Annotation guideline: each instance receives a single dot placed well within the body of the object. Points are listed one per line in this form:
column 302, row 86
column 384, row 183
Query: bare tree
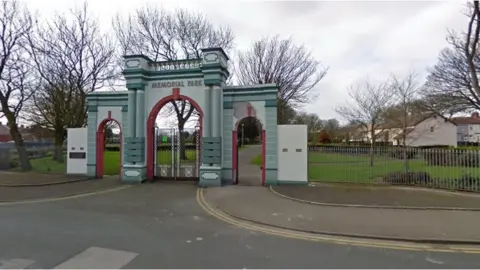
column 367, row 109
column 331, row 126
column 313, row 122
column 404, row 113
column 73, row 58
column 15, row 80
column 168, row 36
column 404, row 93
column 453, row 85
column 280, row 61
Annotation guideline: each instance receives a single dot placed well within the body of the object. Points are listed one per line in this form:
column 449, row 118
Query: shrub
column 402, row 153
column 324, row 137
column 408, row 178
column 438, row 146
column 14, row 164
column 469, row 183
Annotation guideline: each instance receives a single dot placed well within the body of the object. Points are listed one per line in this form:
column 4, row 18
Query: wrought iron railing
column 452, row 169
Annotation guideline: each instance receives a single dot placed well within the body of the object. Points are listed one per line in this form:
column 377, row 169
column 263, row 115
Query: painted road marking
column 330, row 239
column 16, row 264
column 98, row 258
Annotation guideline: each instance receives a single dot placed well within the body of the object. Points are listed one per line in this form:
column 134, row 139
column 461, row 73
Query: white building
column 468, row 128
column 421, row 130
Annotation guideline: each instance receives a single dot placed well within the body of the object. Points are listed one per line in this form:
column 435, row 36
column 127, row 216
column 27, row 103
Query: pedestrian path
column 15, row 194
column 249, row 174
column 259, row 205
column 90, row 258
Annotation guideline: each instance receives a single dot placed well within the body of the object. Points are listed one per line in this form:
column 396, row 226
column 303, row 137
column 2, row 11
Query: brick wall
column 5, row 138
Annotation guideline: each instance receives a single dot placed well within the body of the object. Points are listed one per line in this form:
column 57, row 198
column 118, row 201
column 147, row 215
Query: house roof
column 411, row 120
column 466, row 120
column 349, row 129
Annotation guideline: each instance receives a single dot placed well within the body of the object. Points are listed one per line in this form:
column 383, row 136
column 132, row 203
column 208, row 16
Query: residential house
column 420, row 130
column 468, row 128
column 34, row 133
column 353, row 134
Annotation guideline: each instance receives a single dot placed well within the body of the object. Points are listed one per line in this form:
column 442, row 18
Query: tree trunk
column 20, row 145
column 371, row 155
column 183, row 152
column 58, row 152
column 405, row 159
column 372, row 134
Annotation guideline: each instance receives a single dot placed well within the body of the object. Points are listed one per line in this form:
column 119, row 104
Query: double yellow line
column 329, row 239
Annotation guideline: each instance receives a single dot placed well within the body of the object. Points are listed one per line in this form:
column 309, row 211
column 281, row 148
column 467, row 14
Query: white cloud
column 355, row 39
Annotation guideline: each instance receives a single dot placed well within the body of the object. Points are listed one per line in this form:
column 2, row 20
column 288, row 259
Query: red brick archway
column 235, row 149
column 101, row 148
column 175, row 96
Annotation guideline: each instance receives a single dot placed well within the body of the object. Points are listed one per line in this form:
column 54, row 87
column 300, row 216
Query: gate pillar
column 134, row 167
column 214, row 68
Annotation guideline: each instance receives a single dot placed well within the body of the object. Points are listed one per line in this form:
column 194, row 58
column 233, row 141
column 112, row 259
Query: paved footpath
column 249, row 174
column 9, row 178
column 23, row 193
column 161, row 225
column 261, row 205
column 390, row 196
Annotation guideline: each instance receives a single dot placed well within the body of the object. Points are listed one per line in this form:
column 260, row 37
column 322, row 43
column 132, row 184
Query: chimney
column 475, row 115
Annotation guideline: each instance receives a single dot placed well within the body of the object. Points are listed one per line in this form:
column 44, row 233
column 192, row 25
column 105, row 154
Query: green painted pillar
column 207, row 117
column 214, row 116
column 131, row 113
column 140, row 110
column 216, row 113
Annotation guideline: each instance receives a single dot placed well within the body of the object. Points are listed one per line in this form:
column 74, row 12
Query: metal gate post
column 172, row 136
column 179, row 134
column 197, row 151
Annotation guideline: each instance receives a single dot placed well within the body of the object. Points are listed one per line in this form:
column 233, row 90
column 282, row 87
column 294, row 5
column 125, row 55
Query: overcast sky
column 354, row 39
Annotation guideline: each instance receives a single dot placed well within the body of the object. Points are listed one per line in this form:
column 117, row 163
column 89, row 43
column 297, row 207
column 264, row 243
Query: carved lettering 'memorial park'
column 212, row 145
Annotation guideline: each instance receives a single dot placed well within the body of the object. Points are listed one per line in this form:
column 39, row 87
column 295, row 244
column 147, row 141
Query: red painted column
column 264, row 150
column 149, row 144
column 99, row 154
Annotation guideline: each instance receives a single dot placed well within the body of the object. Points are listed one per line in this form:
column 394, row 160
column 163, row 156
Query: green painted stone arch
column 202, row 80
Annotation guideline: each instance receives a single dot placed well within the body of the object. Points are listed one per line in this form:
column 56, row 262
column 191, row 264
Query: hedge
column 423, row 179
column 393, row 151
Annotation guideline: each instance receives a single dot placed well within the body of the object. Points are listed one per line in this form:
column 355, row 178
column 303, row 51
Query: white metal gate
column 177, row 155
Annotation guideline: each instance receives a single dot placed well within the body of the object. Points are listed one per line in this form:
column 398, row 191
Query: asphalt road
column 162, row 226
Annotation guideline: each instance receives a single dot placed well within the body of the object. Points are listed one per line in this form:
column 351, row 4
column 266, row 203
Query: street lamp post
column 243, row 136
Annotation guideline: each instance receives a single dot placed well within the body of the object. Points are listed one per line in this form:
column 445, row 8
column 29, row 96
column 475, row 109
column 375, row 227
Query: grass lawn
column 111, row 162
column 350, row 168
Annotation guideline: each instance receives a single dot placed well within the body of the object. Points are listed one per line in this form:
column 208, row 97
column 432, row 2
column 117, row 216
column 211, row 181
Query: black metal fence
column 449, row 168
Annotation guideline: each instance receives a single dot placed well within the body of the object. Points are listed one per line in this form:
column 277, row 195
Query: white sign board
column 77, row 151
column 292, row 153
